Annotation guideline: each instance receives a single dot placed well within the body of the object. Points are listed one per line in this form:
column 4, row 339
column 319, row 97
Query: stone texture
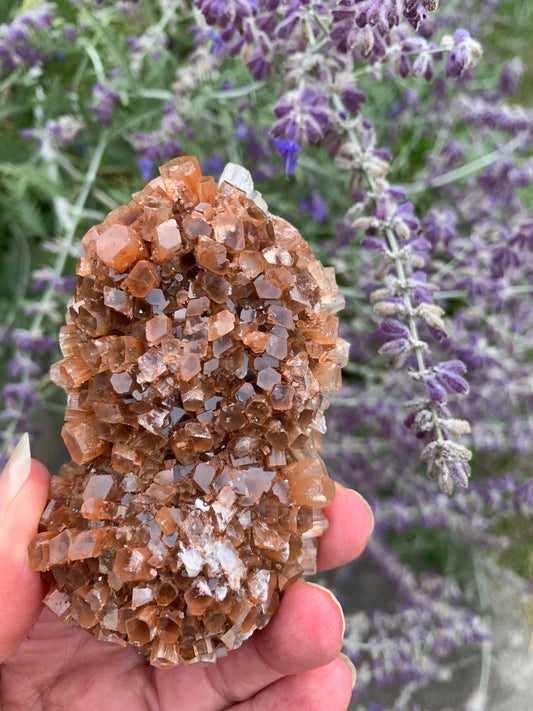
column 199, row 350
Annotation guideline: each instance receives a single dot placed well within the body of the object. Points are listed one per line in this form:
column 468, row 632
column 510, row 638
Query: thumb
column 23, row 493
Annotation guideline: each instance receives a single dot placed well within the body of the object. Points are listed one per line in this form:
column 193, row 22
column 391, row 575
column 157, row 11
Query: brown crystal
column 142, row 279
column 198, row 353
column 82, row 442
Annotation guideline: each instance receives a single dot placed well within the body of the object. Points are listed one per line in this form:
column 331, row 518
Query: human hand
column 293, row 663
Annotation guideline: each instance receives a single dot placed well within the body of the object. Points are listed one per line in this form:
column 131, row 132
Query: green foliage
column 435, row 550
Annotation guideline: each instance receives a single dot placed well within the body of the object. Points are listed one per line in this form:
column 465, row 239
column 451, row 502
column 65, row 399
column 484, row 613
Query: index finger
column 350, row 524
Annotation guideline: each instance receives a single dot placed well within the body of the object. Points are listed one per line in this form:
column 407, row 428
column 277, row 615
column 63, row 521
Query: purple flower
column 353, row 99
column 447, row 374
column 288, row 150
column 464, row 55
column 241, row 131
column 395, row 348
column 70, row 33
column 436, row 392
column 18, row 47
column 317, row 207
column 29, row 342
column 213, row 166
column 102, row 103
column 439, row 226
column 46, row 277
column 259, row 63
column 522, row 239
column 28, row 134
column 303, row 114
column 372, row 244
column 503, row 259
column 146, row 166
column 225, row 12
column 157, row 146
column 423, row 66
column 23, row 394
column 22, row 366
column 57, row 133
column 511, row 76
column 392, row 327
column 365, row 24
column 217, row 41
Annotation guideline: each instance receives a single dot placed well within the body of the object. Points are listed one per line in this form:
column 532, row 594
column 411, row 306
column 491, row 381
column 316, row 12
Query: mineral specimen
column 199, row 350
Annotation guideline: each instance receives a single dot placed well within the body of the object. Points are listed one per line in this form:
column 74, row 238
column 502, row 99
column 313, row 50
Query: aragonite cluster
column 199, row 350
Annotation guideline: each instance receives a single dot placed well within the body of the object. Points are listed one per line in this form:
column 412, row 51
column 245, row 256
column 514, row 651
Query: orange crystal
column 119, row 247
column 157, row 328
column 199, row 350
column 166, row 241
column 142, row 279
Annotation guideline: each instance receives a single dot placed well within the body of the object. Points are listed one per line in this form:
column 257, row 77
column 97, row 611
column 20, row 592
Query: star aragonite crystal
column 199, row 351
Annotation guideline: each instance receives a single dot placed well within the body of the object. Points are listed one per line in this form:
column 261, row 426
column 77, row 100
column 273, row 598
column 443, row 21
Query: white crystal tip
column 242, row 179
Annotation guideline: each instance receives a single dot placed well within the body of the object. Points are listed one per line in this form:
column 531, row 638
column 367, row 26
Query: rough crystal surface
column 199, row 350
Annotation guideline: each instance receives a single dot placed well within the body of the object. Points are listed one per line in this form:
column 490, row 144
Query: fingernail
column 332, row 596
column 368, row 508
column 16, row 471
column 350, row 666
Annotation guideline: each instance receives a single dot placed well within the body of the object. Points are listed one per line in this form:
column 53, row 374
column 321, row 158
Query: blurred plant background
column 404, row 157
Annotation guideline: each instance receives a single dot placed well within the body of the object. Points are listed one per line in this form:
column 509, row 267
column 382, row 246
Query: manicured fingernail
column 332, row 596
column 16, row 471
column 350, row 666
column 368, row 507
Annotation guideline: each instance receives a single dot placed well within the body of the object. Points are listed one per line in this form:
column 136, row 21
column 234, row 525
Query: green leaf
column 27, row 5
column 18, row 178
column 15, row 275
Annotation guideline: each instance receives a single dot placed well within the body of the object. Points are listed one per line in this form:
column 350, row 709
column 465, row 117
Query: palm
column 64, row 667
column 56, row 661
column 292, row 663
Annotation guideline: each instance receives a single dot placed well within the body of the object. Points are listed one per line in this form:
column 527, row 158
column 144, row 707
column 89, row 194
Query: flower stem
column 465, row 170
column 486, row 646
column 402, row 279
column 69, row 222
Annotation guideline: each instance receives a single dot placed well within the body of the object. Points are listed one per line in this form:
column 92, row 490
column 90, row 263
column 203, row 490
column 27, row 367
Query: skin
column 293, row 663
